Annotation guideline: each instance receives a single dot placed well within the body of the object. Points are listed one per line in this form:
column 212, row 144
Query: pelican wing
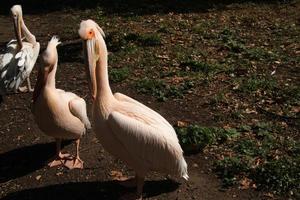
column 148, row 140
column 122, row 97
column 77, row 107
column 5, row 60
column 17, row 66
column 10, row 51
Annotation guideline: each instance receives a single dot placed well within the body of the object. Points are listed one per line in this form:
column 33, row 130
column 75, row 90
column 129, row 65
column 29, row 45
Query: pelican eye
column 90, row 34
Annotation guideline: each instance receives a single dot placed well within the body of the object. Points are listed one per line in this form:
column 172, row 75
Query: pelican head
column 49, row 56
column 94, row 49
column 16, row 13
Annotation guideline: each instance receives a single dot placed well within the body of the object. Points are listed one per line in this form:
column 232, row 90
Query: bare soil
column 25, row 150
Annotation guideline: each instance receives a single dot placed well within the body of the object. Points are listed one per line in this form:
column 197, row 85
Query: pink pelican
column 58, row 113
column 21, row 54
column 126, row 128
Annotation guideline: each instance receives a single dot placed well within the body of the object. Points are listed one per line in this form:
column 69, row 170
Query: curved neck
column 51, row 77
column 28, row 35
column 102, row 81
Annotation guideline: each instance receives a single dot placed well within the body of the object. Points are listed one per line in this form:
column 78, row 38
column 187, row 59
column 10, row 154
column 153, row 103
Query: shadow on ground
column 121, row 7
column 22, row 161
column 107, row 190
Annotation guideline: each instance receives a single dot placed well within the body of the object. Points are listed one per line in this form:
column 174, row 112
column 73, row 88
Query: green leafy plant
column 231, row 42
column 145, row 39
column 118, row 74
column 203, row 67
column 281, row 175
column 255, row 83
column 194, row 138
column 229, row 168
column 161, row 90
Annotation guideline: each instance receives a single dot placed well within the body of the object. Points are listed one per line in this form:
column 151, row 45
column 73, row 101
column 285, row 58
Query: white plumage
column 126, row 128
column 58, row 113
column 19, row 58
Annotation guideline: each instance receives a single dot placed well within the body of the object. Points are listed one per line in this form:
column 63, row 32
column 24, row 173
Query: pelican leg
column 27, row 88
column 59, row 157
column 30, row 89
column 137, row 182
column 76, row 162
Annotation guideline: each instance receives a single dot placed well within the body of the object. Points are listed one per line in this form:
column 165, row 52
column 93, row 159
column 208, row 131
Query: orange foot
column 74, row 163
column 59, row 160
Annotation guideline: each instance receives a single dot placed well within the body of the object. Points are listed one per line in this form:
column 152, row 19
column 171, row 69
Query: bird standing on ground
column 21, row 54
column 58, row 113
column 126, row 128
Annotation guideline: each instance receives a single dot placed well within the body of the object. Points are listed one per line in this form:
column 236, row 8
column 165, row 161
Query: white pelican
column 59, row 114
column 17, row 63
column 126, row 128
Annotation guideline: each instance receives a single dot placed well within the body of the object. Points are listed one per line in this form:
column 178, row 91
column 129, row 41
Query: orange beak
column 88, row 47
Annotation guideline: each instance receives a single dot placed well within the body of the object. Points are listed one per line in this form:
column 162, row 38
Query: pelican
column 59, row 114
column 126, row 128
column 21, row 54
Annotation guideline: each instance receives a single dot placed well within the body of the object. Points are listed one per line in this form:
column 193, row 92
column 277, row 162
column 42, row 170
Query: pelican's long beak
column 18, row 33
column 90, row 62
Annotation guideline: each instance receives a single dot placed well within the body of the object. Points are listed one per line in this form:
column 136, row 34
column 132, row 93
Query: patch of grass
column 203, row 67
column 203, row 29
column 152, row 39
column 194, row 138
column 259, row 54
column 246, row 146
column 161, row 90
column 229, row 168
column 270, row 162
column 262, row 130
column 282, row 176
column 118, row 74
column 218, row 99
column 235, row 46
column 115, row 42
column 199, row 28
column 231, row 42
column 289, row 95
column 164, row 29
column 255, row 83
column 237, row 114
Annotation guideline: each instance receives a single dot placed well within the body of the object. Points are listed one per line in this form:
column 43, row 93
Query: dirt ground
column 25, row 150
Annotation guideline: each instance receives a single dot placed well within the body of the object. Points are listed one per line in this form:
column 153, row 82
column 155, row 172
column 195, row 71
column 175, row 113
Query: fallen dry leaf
column 250, row 111
column 117, row 175
column 59, row 173
column 182, row 124
column 270, row 195
column 245, row 183
column 38, row 177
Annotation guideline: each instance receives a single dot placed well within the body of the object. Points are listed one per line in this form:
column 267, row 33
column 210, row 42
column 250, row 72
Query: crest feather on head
column 54, row 41
column 50, row 54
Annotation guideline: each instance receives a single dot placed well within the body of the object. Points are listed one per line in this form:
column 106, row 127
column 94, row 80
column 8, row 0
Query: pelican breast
column 53, row 116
